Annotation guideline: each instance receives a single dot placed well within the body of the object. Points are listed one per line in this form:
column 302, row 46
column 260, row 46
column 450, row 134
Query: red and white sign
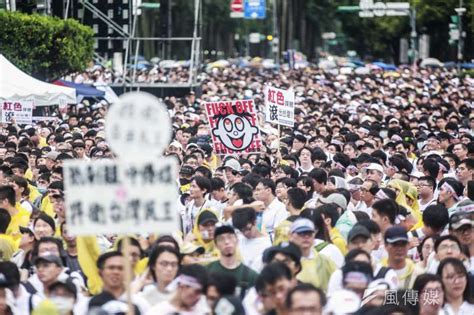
column 279, row 106
column 234, row 126
column 21, row 111
column 237, row 8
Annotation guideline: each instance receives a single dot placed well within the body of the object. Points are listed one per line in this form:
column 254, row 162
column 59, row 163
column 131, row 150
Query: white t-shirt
column 465, row 309
column 251, row 251
column 335, row 282
column 166, row 308
column 274, row 215
column 332, row 252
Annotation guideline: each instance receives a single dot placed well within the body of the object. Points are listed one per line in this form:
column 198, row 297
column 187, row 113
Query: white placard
column 138, row 124
column 279, row 106
column 121, row 197
column 21, row 111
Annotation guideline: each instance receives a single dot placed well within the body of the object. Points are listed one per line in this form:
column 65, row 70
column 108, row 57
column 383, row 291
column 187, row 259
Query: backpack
column 32, row 291
column 321, row 246
column 382, row 273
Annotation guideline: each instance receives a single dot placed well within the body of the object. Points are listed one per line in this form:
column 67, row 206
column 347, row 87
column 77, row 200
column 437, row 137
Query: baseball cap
column 233, row 164
column 302, row 225
column 190, row 248
column 459, row 219
column 337, row 199
column 206, row 216
column 343, row 302
column 186, row 170
column 52, row 155
column 374, row 166
column 356, row 231
column 286, row 248
column 49, row 257
column 395, row 234
column 223, row 229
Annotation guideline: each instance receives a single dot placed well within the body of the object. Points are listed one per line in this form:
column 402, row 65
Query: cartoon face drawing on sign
column 235, row 131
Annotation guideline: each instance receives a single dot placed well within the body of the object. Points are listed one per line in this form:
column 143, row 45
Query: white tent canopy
column 15, row 85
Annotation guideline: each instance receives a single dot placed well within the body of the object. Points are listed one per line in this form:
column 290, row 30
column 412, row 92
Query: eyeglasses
column 453, row 247
column 453, row 277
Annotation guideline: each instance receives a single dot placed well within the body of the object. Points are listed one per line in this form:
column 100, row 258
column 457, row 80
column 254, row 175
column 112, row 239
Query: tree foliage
column 45, row 47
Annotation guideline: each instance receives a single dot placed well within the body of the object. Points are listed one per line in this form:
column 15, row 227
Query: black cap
column 4, row 281
column 223, row 229
column 186, row 170
column 396, row 234
column 459, row 219
column 286, row 248
column 206, row 216
column 49, row 257
column 356, row 231
column 68, row 285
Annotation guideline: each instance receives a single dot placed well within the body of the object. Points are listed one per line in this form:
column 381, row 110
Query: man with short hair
column 273, row 284
column 253, row 242
column 275, row 210
column 316, row 268
column 446, row 246
column 450, row 193
column 465, row 171
column 320, row 179
column 191, row 284
column 111, row 267
column 426, row 187
column 367, row 196
column 435, row 218
column 305, row 299
column 460, row 150
column 19, row 216
column 384, row 213
column 229, row 263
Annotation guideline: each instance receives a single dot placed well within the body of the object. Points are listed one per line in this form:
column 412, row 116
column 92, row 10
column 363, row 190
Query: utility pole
column 413, row 35
column 276, row 36
column 460, row 11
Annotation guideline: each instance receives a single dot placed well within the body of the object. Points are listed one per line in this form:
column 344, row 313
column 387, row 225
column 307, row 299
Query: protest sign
column 138, row 123
column 21, row 111
column 279, row 106
column 234, row 126
column 121, row 196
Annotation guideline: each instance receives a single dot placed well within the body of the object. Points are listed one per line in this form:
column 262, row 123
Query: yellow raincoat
column 211, row 253
column 402, row 187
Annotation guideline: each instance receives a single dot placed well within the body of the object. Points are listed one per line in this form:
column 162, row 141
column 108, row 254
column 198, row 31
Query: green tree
column 45, row 47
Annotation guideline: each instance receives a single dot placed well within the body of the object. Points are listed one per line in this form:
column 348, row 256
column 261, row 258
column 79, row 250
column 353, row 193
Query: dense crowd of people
column 364, row 207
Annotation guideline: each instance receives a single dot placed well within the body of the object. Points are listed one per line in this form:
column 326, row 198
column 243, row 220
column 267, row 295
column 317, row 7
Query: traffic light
column 454, row 29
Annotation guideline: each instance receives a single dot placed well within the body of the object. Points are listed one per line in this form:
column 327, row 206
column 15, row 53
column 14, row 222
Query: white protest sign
column 110, row 196
column 21, row 111
column 138, row 123
column 279, row 106
column 138, row 192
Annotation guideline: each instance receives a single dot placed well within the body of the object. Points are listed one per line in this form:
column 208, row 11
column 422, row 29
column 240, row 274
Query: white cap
column 343, row 302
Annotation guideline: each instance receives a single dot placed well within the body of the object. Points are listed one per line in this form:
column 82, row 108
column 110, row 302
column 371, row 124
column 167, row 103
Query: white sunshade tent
column 15, row 85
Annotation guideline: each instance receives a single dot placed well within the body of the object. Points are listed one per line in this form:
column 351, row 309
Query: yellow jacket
column 317, row 269
column 406, row 280
column 47, row 207
column 21, row 218
column 338, row 240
